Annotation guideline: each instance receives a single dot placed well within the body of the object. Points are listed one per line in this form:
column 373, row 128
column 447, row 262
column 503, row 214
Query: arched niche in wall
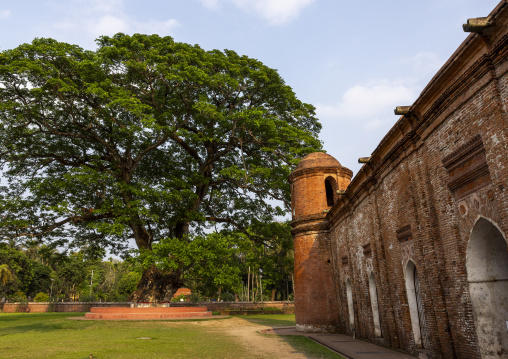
column 331, row 190
column 351, row 310
column 374, row 304
column 487, row 274
column 415, row 303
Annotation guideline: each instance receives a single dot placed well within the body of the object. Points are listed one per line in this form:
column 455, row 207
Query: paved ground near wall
column 345, row 345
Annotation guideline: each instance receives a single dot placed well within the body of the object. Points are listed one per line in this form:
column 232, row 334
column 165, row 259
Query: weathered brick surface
column 432, row 177
column 315, row 299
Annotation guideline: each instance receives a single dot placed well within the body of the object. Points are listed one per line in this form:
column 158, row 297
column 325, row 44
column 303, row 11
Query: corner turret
column 315, row 186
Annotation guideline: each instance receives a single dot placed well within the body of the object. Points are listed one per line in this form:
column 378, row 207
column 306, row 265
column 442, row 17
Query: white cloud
column 4, row 14
column 424, row 64
column 154, row 26
column 372, row 104
column 103, row 6
column 210, row 4
column 276, row 12
column 93, row 18
column 108, row 25
column 377, row 124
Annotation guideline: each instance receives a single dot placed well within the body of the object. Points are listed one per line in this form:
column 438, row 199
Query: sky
column 353, row 60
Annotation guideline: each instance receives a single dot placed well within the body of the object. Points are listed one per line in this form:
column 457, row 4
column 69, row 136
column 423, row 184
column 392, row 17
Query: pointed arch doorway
column 415, row 302
column 487, row 274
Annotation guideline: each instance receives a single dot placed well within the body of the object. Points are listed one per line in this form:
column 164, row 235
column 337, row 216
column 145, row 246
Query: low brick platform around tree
column 149, row 313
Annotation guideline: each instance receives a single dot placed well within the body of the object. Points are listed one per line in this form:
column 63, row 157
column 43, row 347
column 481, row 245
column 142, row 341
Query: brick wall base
column 41, row 307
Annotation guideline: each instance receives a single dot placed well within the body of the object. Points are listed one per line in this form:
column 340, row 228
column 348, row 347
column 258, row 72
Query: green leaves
column 223, row 261
column 20, row 273
column 212, row 259
column 146, row 138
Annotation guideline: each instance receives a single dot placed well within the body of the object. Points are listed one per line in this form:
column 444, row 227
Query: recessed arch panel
column 351, row 310
column 415, row 303
column 375, row 305
column 487, row 274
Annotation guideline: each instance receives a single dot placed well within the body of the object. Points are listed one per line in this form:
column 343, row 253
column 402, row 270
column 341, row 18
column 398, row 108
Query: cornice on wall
column 468, row 69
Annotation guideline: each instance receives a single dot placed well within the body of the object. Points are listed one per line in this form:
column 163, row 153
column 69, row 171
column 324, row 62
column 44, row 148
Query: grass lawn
column 52, row 335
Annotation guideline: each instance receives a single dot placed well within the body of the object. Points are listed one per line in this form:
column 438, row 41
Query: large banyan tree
column 145, row 138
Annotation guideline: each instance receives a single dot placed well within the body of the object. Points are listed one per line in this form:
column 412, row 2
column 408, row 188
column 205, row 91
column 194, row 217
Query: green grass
column 52, row 335
column 271, row 320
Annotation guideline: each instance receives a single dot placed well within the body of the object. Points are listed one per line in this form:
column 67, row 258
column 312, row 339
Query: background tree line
column 221, row 265
column 36, row 272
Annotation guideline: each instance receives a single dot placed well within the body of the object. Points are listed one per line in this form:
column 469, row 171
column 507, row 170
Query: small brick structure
column 182, row 291
column 413, row 254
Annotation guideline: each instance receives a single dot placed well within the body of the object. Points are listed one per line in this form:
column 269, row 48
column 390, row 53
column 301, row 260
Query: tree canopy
column 144, row 138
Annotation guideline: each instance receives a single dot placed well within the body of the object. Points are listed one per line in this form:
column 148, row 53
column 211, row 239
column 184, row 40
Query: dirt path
column 261, row 345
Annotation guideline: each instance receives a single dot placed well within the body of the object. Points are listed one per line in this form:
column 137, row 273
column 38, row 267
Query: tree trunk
column 254, row 281
column 274, row 292
column 248, row 285
column 293, row 284
column 157, row 286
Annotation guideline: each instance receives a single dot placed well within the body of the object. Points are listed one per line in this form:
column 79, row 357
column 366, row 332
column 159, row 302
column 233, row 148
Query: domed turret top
column 318, row 159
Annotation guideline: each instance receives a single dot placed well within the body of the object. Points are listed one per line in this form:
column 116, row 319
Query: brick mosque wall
column 438, row 175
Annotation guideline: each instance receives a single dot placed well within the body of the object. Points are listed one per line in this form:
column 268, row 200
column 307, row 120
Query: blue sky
column 354, row 60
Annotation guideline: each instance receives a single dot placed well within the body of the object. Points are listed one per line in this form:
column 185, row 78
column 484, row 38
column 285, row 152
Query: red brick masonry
column 413, row 254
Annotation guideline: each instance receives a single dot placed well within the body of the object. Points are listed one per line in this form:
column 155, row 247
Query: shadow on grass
column 34, row 327
column 38, row 322
column 311, row 348
column 14, row 317
column 270, row 320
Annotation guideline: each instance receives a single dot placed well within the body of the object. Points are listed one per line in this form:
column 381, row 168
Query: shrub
column 88, row 298
column 196, row 297
column 179, row 298
column 18, row 297
column 128, row 283
column 41, row 297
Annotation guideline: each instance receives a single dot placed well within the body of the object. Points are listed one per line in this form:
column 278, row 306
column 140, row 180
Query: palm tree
column 32, row 250
column 13, row 244
column 5, row 274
